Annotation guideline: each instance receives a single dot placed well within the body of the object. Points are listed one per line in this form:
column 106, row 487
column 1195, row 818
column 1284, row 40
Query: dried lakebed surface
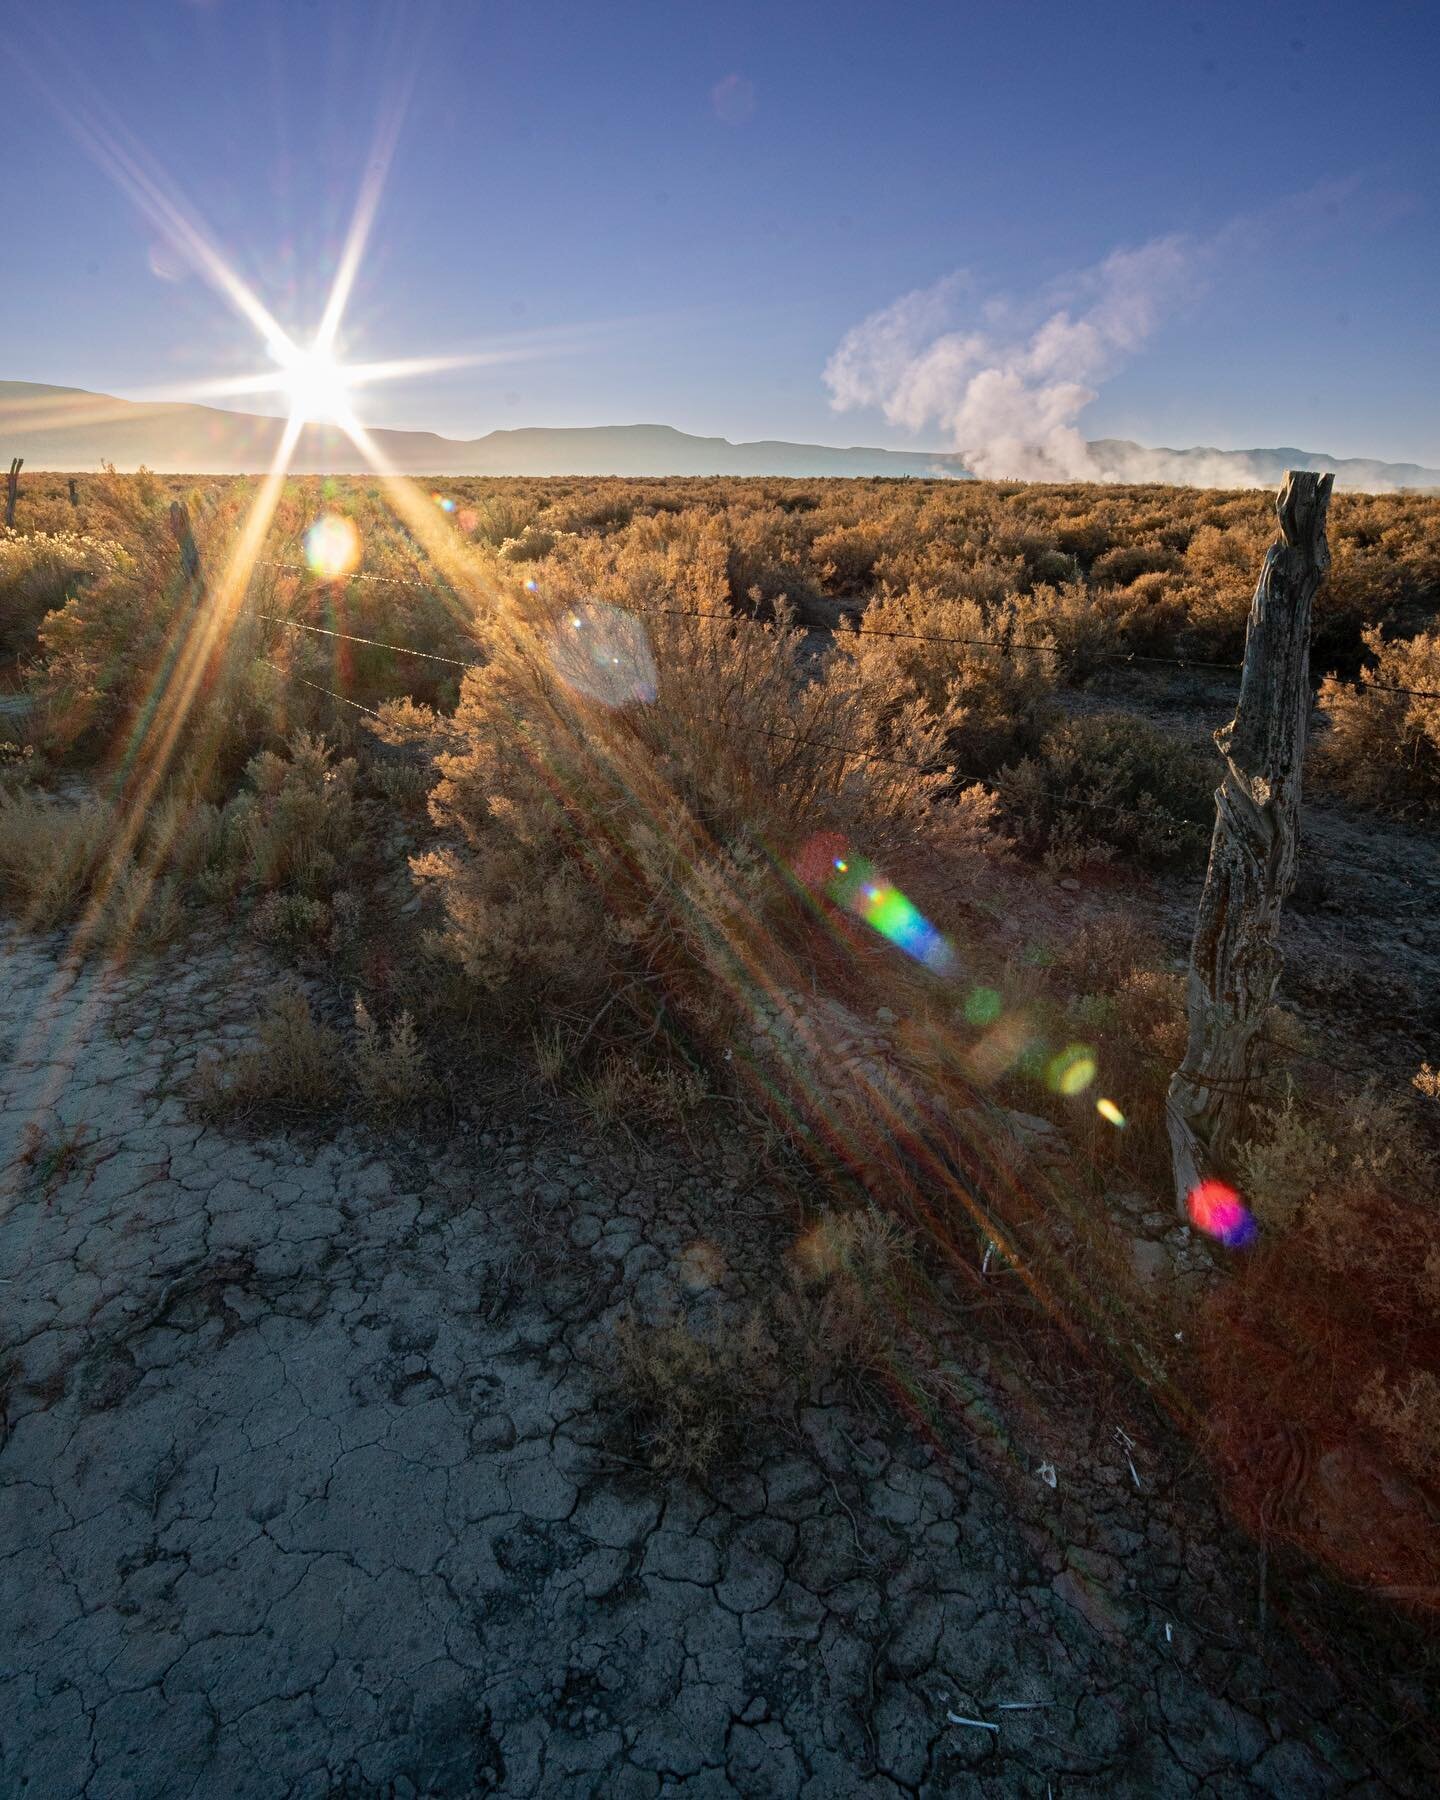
column 307, row 1487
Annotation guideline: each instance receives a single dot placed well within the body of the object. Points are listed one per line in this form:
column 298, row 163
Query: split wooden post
column 12, row 488
column 1235, row 960
column 185, row 538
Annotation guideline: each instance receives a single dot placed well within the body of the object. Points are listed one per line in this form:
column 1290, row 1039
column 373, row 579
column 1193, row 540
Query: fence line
column 1005, row 646
column 351, row 638
column 344, row 699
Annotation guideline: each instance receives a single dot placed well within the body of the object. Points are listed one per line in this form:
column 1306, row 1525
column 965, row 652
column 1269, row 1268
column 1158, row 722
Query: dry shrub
column 1384, row 748
column 1407, row 1417
column 991, row 703
column 301, row 1066
column 76, row 863
column 295, row 1068
column 1082, row 622
column 52, row 855
column 624, row 799
column 1324, row 1171
column 295, row 827
column 39, row 571
column 1217, row 583
column 1109, row 782
column 291, row 919
column 844, row 557
column 405, row 785
column 533, row 545
column 19, row 765
column 693, row 1396
column 390, row 1068
column 624, row 1089
column 843, row 1308
column 1115, row 994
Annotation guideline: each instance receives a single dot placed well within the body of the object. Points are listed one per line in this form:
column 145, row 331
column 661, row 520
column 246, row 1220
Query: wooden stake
column 12, row 488
column 185, row 538
column 1235, row 960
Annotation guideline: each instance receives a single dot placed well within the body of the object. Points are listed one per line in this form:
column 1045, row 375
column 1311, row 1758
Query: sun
column 316, row 384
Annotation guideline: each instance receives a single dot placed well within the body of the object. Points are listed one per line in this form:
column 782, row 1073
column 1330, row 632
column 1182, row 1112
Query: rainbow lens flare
column 1111, row 1113
column 332, row 546
column 446, row 506
column 1219, row 1211
column 1072, row 1071
column 855, row 885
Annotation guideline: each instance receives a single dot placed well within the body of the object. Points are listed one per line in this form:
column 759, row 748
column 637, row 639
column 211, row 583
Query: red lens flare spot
column 1220, row 1212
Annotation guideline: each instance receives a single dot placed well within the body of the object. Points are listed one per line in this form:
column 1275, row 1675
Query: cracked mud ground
column 307, row 1488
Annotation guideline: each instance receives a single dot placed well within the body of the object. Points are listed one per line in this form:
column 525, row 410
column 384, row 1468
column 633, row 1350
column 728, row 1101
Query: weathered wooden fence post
column 1234, row 960
column 12, row 488
column 74, row 492
column 185, row 538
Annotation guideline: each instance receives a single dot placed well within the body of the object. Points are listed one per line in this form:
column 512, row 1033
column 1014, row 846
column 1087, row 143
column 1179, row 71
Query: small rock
column 1070, row 885
column 885, row 1017
column 1149, row 1260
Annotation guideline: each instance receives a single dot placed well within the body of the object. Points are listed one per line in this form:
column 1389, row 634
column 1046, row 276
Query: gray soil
column 311, row 1485
column 1361, row 935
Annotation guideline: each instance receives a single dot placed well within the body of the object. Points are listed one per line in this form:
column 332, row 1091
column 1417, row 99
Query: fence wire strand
column 1006, row 646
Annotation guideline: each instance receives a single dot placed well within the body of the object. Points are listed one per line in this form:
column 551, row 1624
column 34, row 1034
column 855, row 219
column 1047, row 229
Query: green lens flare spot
column 982, row 1006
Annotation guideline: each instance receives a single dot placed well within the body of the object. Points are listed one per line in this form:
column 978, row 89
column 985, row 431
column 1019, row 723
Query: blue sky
column 680, row 213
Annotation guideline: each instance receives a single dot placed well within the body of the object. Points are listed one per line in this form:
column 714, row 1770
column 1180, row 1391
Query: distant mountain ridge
column 72, row 429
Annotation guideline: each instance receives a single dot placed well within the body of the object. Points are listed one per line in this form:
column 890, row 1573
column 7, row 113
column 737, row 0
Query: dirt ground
column 312, row 1486
column 1361, row 935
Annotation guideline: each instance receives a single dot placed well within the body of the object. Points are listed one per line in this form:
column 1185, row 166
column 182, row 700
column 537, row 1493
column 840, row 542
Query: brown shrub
column 624, row 797
column 1383, row 748
column 295, row 1068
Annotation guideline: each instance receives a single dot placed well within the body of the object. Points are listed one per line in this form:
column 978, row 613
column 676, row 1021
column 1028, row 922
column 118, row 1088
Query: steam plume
column 1010, row 391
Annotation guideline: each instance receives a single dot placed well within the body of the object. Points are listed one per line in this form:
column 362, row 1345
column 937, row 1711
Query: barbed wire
column 344, row 699
column 351, row 637
column 1006, row 646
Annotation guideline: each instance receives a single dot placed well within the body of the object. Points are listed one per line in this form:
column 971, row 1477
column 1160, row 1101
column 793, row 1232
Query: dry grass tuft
column 692, row 1396
column 296, row 1068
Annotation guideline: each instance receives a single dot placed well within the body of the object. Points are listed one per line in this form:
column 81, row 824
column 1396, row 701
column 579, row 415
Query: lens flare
column 332, row 546
column 602, row 652
column 1219, row 1211
column 1001, row 1048
column 446, row 506
column 983, row 1006
column 859, row 889
column 1111, row 1113
column 1072, row 1071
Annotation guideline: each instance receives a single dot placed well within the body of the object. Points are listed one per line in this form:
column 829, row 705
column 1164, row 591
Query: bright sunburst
column 316, row 385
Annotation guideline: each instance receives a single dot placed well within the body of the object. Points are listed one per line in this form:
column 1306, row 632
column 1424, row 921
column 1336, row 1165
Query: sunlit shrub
column 985, row 677
column 38, row 572
column 630, row 837
column 1383, row 748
